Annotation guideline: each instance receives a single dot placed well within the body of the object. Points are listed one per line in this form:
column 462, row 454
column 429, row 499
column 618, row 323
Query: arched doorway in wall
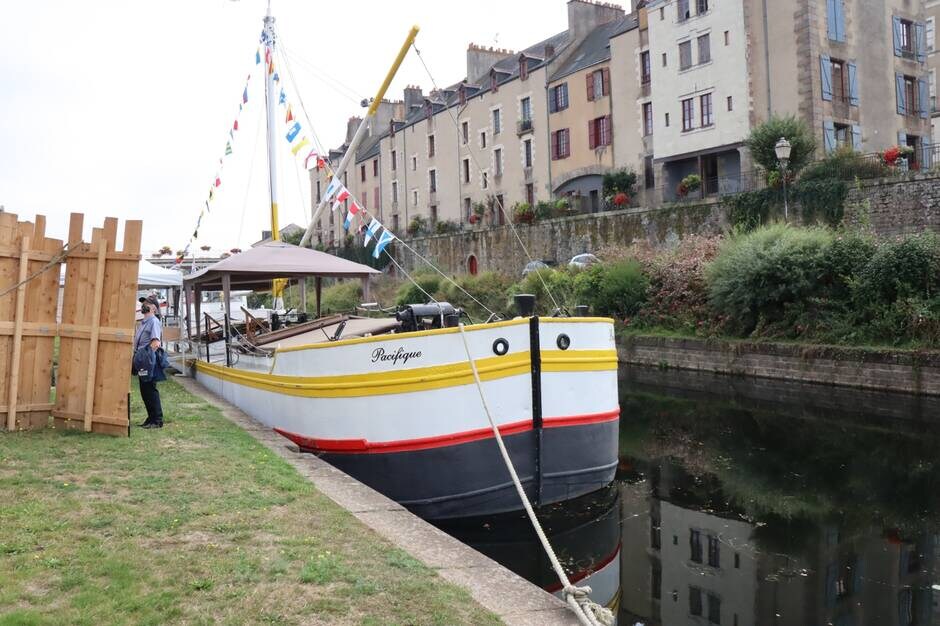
column 472, row 268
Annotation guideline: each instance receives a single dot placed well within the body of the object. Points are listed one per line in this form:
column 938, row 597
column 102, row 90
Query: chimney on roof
column 351, row 125
column 480, row 59
column 585, row 15
column 549, row 51
column 383, row 114
column 414, row 97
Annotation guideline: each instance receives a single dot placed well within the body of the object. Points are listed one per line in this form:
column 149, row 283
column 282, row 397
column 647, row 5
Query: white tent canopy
column 150, row 275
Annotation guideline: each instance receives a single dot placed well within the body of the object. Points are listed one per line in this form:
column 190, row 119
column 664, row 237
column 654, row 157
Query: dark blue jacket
column 149, row 364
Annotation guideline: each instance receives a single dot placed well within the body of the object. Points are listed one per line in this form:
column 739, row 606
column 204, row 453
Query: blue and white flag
column 384, row 239
column 293, row 131
column 371, row 229
column 333, row 187
column 283, row 98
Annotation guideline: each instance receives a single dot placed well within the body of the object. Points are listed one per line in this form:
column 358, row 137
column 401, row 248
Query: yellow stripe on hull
column 416, row 379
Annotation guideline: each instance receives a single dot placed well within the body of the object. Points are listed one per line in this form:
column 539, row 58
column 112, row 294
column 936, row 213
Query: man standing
column 149, row 330
column 153, row 302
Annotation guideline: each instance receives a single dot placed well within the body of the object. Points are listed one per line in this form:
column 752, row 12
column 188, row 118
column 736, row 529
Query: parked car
column 533, row 266
column 582, row 261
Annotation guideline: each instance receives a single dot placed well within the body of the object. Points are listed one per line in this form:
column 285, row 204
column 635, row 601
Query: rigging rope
column 476, row 163
column 577, row 598
column 251, row 169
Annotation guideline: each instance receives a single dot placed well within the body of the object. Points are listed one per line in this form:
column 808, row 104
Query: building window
column 318, row 192
column 714, row 609
column 730, row 103
column 498, row 162
column 737, row 561
column 695, row 546
column 667, row 120
column 843, row 135
column 414, row 164
column 684, row 13
column 645, row 68
column 558, row 98
column 430, row 146
column 905, row 36
column 466, row 209
column 523, row 68
column 701, row 6
column 500, row 211
column 727, row 38
column 530, row 194
column 695, row 601
column 656, row 539
column 466, row 170
column 482, row 138
column 704, row 49
column 433, row 214
column 432, row 179
column 599, row 132
column 484, row 180
column 662, row 13
column 838, row 80
column 647, row 119
column 414, row 197
column 598, row 84
column 394, row 160
column 497, row 122
column 705, row 106
column 462, row 94
column 649, row 177
column 688, row 114
column 375, row 198
column 464, row 132
column 561, row 141
column 395, row 222
column 714, row 552
column 685, row 55
column 362, row 173
column 527, row 153
column 525, row 106
column 375, row 167
column 394, row 192
column 664, row 59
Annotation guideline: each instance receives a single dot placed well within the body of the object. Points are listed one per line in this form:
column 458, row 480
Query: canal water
column 750, row 502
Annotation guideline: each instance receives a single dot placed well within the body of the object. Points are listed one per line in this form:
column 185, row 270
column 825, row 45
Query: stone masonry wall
column 908, row 372
column 887, row 207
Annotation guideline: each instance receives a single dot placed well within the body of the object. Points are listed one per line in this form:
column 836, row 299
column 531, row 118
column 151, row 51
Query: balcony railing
column 523, row 126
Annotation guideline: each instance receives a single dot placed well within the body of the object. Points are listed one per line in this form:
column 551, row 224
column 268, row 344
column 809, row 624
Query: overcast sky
column 123, row 108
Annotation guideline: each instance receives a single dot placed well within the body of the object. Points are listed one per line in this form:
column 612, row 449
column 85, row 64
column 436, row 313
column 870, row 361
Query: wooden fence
column 95, row 333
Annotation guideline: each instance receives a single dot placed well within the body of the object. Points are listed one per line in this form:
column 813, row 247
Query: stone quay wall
column 887, row 207
column 884, row 370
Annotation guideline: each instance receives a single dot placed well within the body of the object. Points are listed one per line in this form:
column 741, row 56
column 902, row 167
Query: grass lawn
column 196, row 523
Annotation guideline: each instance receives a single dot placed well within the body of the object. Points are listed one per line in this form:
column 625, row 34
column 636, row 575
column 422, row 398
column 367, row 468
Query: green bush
column 756, row 276
column 844, row 259
column 617, row 290
column 409, row 293
column 620, row 181
column 341, row 297
column 845, row 164
column 752, row 209
column 821, row 199
column 444, row 227
column 763, row 140
column 559, row 282
column 490, row 288
column 901, row 269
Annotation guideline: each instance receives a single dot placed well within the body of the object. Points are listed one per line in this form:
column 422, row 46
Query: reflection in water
column 752, row 503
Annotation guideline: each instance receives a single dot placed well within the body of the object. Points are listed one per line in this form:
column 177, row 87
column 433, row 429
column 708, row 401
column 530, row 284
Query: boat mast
column 269, row 98
column 361, row 131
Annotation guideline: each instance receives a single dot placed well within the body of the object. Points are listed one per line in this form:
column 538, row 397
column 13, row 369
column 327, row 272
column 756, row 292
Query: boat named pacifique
column 393, row 401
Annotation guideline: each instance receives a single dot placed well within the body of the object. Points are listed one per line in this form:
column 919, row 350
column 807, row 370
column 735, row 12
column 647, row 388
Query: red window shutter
column 555, row 154
column 592, row 135
column 590, row 87
column 605, row 80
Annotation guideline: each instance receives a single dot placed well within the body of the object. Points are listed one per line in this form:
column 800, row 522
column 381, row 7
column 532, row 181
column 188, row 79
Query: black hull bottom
column 470, row 479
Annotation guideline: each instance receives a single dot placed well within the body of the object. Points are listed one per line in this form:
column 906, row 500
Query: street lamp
column 783, row 156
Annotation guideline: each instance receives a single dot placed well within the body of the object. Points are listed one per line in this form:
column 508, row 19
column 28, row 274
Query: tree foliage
column 763, row 139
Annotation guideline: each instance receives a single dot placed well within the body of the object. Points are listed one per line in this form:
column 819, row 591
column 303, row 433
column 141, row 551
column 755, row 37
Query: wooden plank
column 76, row 222
column 133, row 232
column 30, row 329
column 105, row 333
column 18, row 334
column 96, row 316
column 109, row 232
column 82, row 253
column 12, row 252
column 35, row 406
column 8, row 278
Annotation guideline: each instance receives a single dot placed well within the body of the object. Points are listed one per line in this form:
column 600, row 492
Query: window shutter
column 831, row 19
column 926, row 156
column 920, row 41
column 899, row 88
column 552, row 100
column 840, row 19
column 825, row 72
column 610, row 130
column 555, row 145
column 857, row 138
column 829, row 136
column 592, row 135
column 605, row 81
column 902, row 138
column 853, row 84
column 896, row 21
column 923, row 98
column 590, row 87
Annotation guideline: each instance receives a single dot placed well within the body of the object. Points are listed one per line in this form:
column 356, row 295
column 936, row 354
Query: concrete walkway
column 515, row 600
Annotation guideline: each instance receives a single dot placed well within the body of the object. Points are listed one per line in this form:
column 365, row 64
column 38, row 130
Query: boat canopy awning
column 150, row 275
column 256, row 267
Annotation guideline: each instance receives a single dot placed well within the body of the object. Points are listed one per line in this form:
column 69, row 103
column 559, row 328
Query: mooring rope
column 587, row 611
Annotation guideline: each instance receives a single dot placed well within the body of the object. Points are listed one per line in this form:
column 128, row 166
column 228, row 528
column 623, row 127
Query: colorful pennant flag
column 300, row 144
column 384, row 239
column 245, row 96
column 257, row 57
column 270, row 68
column 282, row 98
column 332, row 187
column 290, row 115
column 311, row 155
column 371, row 229
column 228, row 148
column 235, row 125
column 293, row 131
column 340, row 198
column 218, row 181
column 276, row 77
column 353, row 210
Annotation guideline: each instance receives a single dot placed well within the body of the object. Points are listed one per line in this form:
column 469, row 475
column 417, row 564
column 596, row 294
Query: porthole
column 500, row 347
column 563, row 342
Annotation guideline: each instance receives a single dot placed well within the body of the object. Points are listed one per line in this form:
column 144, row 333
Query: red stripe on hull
column 363, row 446
column 580, row 575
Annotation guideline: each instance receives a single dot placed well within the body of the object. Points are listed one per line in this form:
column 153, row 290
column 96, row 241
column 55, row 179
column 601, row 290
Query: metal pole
column 786, row 208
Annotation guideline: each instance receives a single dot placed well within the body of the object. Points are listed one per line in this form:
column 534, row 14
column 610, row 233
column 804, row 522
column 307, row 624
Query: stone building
column 933, row 64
